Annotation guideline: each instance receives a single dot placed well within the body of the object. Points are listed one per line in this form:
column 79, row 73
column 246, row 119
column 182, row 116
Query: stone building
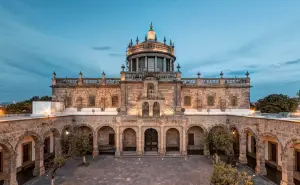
column 149, row 110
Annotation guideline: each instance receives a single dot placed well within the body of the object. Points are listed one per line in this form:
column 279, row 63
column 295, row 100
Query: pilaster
column 243, row 145
column 288, row 168
column 162, row 141
column 183, row 150
column 260, row 159
column 140, row 140
column 117, row 153
column 95, row 145
column 11, row 169
column 39, row 168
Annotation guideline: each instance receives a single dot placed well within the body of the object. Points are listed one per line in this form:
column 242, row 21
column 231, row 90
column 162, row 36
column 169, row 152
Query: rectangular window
column 272, row 152
column 47, row 145
column 1, row 161
column 191, row 139
column 111, row 139
column 160, row 62
column 210, row 101
column 142, row 66
column 151, row 63
column 134, row 64
column 92, row 101
column 27, row 149
column 168, row 64
column 234, row 101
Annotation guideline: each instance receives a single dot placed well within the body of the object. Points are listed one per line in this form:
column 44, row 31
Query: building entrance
column 151, row 140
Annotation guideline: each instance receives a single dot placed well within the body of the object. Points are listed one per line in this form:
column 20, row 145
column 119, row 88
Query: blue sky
column 233, row 36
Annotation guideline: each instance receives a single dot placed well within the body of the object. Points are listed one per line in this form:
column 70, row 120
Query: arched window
column 145, row 109
column 187, row 101
column 233, row 101
column 210, row 100
column 92, row 101
column 114, row 101
column 150, row 90
column 156, row 109
column 79, row 103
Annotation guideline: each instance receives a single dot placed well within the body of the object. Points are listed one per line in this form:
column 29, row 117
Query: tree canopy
column 220, row 139
column 276, row 103
column 24, row 106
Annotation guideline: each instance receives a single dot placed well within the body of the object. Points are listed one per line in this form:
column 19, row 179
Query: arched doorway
column 129, row 140
column 195, row 140
column 151, row 140
column 236, row 142
column 172, row 140
column 6, row 167
column 156, row 109
column 145, row 109
column 85, row 130
column 106, row 140
column 52, row 147
column 65, row 140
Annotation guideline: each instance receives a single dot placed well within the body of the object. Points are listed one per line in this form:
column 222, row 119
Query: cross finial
column 137, row 40
column 53, row 74
column 221, row 74
column 145, row 37
column 123, row 67
column 80, row 74
column 165, row 40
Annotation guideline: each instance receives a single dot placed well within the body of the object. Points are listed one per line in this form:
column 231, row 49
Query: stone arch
column 211, row 128
column 80, row 129
column 156, row 109
column 8, row 166
column 104, row 125
column 195, row 139
column 106, row 139
column 269, row 134
column 151, row 139
column 36, row 137
column 197, row 125
column 289, row 144
column 172, row 139
column 129, row 139
column 250, row 130
column 52, row 143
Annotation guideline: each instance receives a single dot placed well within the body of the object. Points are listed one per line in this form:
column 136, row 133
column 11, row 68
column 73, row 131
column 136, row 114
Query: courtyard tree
column 225, row 174
column 56, row 163
column 276, row 103
column 80, row 145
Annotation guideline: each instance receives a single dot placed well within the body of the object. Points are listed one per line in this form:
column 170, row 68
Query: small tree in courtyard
column 220, row 140
column 56, row 163
column 80, row 145
column 225, row 174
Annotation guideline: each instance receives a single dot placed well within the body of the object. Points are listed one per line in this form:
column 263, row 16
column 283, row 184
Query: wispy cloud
column 101, row 48
column 116, row 55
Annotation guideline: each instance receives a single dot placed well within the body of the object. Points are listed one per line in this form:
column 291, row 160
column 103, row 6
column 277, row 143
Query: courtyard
column 195, row 170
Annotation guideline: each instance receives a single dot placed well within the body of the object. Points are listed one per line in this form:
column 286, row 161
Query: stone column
column 58, row 149
column 206, row 147
column 10, row 167
column 164, row 63
column 288, row 167
column 131, row 65
column 117, row 153
column 150, row 109
column 140, row 141
column 155, row 63
column 243, row 147
column 146, row 63
column 137, row 65
column 162, row 141
column 183, row 150
column 95, row 145
column 39, row 168
column 260, row 159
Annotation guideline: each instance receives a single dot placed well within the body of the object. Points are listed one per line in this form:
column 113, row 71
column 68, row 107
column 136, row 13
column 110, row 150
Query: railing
column 139, row 76
column 215, row 81
column 87, row 81
column 150, row 46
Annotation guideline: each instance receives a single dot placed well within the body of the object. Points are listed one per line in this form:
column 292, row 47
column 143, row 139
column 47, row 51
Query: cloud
column 101, row 48
column 116, row 55
column 292, row 62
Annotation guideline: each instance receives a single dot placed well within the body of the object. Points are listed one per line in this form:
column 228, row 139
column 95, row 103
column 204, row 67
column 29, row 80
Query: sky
column 38, row 37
